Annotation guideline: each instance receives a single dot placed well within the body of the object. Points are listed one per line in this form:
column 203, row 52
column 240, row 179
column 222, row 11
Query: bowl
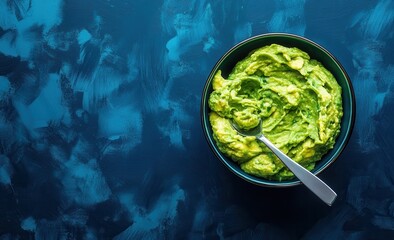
column 227, row 62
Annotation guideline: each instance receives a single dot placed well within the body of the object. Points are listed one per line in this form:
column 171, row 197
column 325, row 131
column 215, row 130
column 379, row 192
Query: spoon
column 317, row 186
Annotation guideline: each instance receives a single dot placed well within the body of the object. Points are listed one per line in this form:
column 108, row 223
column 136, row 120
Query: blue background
column 100, row 134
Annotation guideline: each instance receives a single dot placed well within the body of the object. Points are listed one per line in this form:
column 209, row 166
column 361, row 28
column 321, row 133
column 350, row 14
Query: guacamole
column 298, row 101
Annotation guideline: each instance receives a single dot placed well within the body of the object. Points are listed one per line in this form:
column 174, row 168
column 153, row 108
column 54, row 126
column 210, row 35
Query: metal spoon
column 317, row 186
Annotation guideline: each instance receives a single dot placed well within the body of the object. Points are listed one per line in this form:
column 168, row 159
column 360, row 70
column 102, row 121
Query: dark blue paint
column 100, row 136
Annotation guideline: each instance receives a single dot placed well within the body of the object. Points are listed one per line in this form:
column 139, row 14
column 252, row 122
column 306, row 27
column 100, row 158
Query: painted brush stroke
column 156, row 222
column 372, row 25
column 21, row 19
column 47, row 107
column 288, row 17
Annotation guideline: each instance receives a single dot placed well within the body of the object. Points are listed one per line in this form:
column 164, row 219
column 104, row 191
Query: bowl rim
column 261, row 181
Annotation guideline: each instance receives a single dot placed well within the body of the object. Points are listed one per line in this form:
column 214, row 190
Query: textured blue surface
column 100, row 134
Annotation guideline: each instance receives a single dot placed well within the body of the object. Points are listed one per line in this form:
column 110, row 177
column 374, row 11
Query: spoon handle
column 314, row 183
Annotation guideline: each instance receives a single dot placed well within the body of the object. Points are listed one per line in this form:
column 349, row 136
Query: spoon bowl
column 256, row 131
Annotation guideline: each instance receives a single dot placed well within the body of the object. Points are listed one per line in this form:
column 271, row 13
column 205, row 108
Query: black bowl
column 227, row 62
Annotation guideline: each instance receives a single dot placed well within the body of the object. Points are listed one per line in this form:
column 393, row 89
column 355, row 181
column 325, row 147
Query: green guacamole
column 298, row 100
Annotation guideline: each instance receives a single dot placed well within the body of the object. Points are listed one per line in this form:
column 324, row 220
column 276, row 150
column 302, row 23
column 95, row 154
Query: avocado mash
column 298, row 100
